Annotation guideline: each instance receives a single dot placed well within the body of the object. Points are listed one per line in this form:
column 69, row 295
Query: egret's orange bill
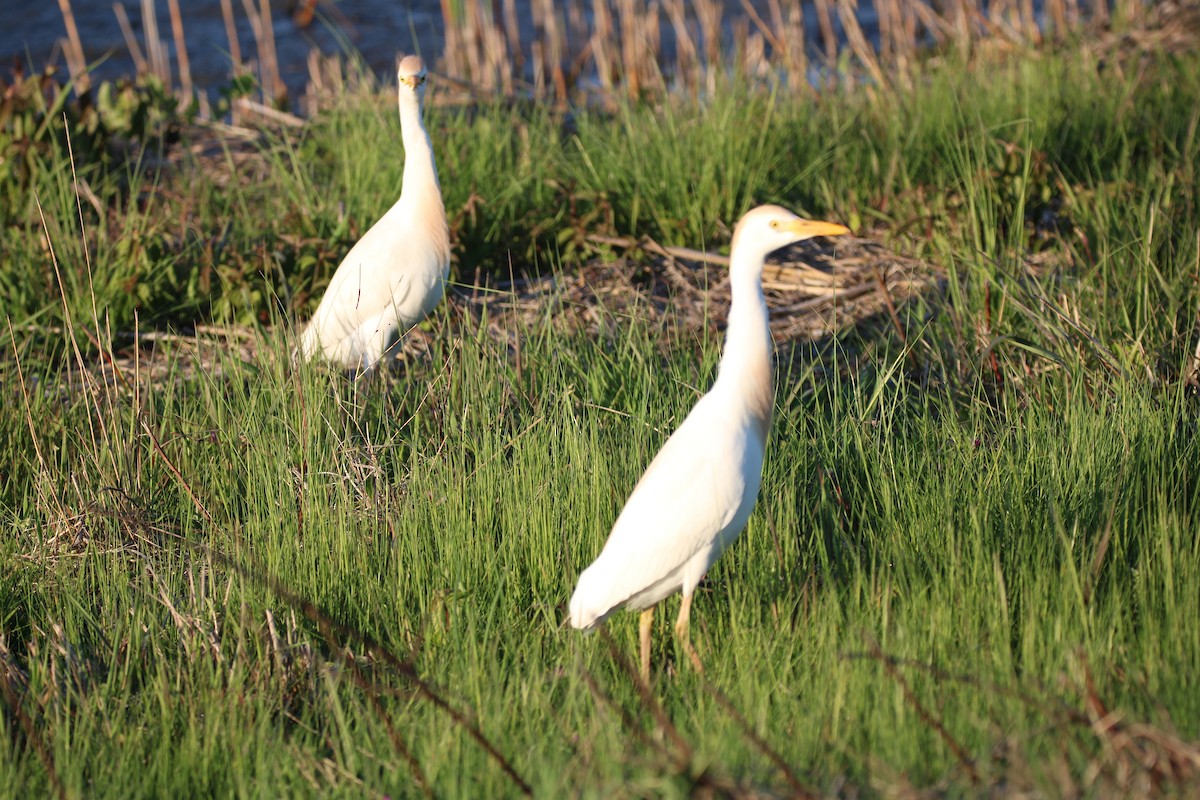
column 808, row 227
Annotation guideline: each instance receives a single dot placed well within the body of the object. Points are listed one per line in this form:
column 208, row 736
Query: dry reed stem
column 32, row 735
column 683, row 751
column 599, row 43
column 256, row 29
column 574, row 56
column 235, row 50
column 131, row 43
column 1137, row 759
column 156, row 54
column 857, row 40
column 338, row 635
column 828, row 37
column 181, row 56
column 687, row 59
column 273, row 86
column 964, row 758
column 800, row 790
column 628, row 723
column 43, row 469
column 76, row 64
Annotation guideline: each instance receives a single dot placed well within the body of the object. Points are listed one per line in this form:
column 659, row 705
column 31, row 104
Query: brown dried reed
column 620, row 48
column 604, row 49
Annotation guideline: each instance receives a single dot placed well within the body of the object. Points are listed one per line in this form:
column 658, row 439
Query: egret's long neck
column 746, row 363
column 420, row 172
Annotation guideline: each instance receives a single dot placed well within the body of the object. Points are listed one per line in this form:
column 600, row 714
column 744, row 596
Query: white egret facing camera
column 396, row 273
column 697, row 493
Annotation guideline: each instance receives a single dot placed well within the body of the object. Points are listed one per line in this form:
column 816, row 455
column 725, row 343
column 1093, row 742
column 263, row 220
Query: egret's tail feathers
column 587, row 610
column 309, row 343
column 585, row 619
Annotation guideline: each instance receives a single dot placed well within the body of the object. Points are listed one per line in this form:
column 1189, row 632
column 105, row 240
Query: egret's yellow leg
column 681, row 632
column 646, row 623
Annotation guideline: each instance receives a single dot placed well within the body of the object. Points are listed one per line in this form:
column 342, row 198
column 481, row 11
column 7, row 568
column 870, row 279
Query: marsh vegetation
column 974, row 562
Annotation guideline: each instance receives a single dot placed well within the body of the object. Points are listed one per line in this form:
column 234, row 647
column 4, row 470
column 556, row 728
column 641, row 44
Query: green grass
column 1021, row 532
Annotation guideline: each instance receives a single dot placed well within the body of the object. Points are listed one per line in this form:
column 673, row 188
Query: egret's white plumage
column 697, row 493
column 396, row 273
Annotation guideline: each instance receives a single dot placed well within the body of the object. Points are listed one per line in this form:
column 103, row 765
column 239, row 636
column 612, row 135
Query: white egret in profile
column 697, row 493
column 396, row 273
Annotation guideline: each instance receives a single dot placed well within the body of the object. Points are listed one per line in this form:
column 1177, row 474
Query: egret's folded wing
column 365, row 282
column 689, row 494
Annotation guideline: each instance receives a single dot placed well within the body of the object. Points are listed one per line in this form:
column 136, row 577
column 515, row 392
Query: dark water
column 32, row 30
column 379, row 29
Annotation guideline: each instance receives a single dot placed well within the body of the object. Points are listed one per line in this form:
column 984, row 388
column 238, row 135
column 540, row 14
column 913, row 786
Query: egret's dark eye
column 775, row 224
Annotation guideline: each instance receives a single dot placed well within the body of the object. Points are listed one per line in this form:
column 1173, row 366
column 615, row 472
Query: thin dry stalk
column 1072, row 12
column 628, row 20
column 477, row 47
column 960, row 752
column 512, row 34
column 500, row 59
column 828, row 37
column 1135, row 750
column 1106, row 356
column 181, row 56
column 1029, row 23
column 578, row 30
column 987, row 333
column 683, row 751
column 708, row 15
column 156, row 54
column 33, row 434
column 891, row 307
column 235, row 47
column 87, row 260
column 1102, row 547
column 627, row 722
column 235, row 51
column 909, row 21
column 1136, row 757
column 623, row 15
column 1056, row 11
column 70, row 322
column 621, row 40
column 76, row 64
column 848, row 12
column 32, row 735
column 554, row 48
column 795, row 59
column 274, row 86
column 704, row 784
column 266, row 112
column 1193, row 375
column 131, row 43
column 476, row 22
column 883, row 11
column 799, row 789
column 170, row 465
column 602, row 36
column 453, row 55
column 687, row 59
column 940, row 26
column 256, row 29
column 331, row 630
column 763, row 28
column 337, row 636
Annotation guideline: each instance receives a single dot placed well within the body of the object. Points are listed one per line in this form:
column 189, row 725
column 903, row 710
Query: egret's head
column 768, row 228
column 411, row 72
